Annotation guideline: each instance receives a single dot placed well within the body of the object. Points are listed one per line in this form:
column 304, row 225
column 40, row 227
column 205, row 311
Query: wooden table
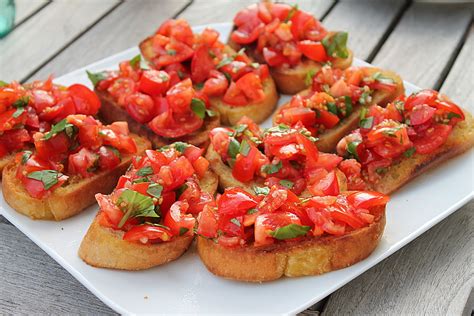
column 429, row 45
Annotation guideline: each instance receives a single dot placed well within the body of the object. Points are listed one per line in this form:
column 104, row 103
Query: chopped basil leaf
column 115, row 151
column 348, row 104
column 26, row 155
column 183, row 230
column 48, row 177
column 157, row 225
column 95, row 78
column 290, row 231
column 3, row 83
column 135, row 61
column 199, row 85
column 211, row 53
column 199, row 107
column 228, row 77
column 180, row 146
column 261, row 190
column 234, row 147
column 61, row 126
column 332, row 107
column 292, row 12
column 180, row 190
column 252, row 211
column 155, row 190
column 135, row 204
column 21, row 102
column 225, row 61
column 171, row 52
column 363, row 113
column 381, row 170
column 280, row 128
column 18, row 112
column 235, row 221
column 140, row 180
column 308, row 79
column 287, row 184
column 409, row 152
column 364, row 97
column 239, row 129
column 244, row 148
column 181, row 74
column 254, row 65
column 271, row 168
column 145, row 171
column 352, row 149
column 378, row 76
column 336, row 44
column 367, row 122
column 452, row 115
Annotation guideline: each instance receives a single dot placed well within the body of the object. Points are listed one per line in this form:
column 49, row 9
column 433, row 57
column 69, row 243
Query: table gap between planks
column 429, row 45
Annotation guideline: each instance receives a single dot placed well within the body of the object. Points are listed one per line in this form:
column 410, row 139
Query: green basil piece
column 135, row 61
column 336, row 44
column 234, row 147
column 352, row 149
column 145, row 171
column 308, row 79
column 367, row 122
column 289, row 231
column 21, row 102
column 183, row 230
column 61, row 126
column 95, row 78
column 409, row 152
column 252, row 211
column 272, row 168
column 348, row 104
column 26, row 155
column 18, row 112
column 199, row 107
column 155, row 190
column 3, row 83
column 287, row 184
column 180, row 146
column 235, row 221
column 332, row 107
column 135, row 204
column 261, row 190
column 48, row 177
column 244, row 148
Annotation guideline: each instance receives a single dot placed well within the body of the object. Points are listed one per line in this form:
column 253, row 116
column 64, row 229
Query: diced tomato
column 422, row 97
column 273, row 58
column 146, row 233
column 251, row 85
column 216, row 85
column 175, row 126
column 207, row 223
column 201, row 64
column 432, row 139
column 235, row 202
column 85, row 100
column 313, row 50
column 234, row 95
column 367, row 199
column 246, row 165
column 82, row 163
column 140, row 107
column 178, row 221
column 108, row 158
column 154, row 82
column 326, row 183
column 269, row 222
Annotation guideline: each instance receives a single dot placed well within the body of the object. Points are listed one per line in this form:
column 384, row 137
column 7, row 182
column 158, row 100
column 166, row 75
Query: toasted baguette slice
column 105, row 248
column 4, row 161
column 111, row 112
column 258, row 112
column 460, row 140
column 328, row 140
column 310, row 256
column 68, row 200
column 291, row 80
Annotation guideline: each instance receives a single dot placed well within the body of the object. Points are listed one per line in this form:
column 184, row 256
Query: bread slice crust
column 328, row 139
column 459, row 141
column 104, row 247
column 310, row 256
column 68, row 200
column 111, row 112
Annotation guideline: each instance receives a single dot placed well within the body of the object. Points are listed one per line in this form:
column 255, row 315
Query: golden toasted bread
column 4, row 161
column 328, row 139
column 310, row 256
column 68, row 200
column 105, row 248
column 460, row 140
column 258, row 112
column 110, row 112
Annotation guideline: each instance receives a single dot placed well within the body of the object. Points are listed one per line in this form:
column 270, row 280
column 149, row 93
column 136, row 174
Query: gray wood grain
column 32, row 283
column 422, row 44
column 366, row 33
column 25, row 8
column 38, row 39
column 123, row 28
column 459, row 82
column 3, row 220
column 218, row 11
column 433, row 275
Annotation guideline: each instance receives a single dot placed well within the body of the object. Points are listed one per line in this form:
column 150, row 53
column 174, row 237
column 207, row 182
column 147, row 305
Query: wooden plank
column 423, row 42
column 433, row 275
column 123, row 28
column 38, row 39
column 219, row 11
column 25, row 8
column 365, row 33
column 458, row 84
column 33, row 283
column 3, row 220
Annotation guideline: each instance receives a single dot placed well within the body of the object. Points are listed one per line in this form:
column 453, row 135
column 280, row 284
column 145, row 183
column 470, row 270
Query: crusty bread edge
column 66, row 201
column 310, row 256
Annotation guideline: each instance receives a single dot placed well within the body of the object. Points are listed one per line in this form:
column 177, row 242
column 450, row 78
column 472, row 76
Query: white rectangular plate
column 185, row 286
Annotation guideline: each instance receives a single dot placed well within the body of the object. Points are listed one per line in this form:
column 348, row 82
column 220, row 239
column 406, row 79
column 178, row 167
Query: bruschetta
column 77, row 158
column 248, row 157
column 148, row 220
column 291, row 41
column 234, row 84
column 330, row 109
column 34, row 107
column 397, row 143
column 154, row 105
column 257, row 238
